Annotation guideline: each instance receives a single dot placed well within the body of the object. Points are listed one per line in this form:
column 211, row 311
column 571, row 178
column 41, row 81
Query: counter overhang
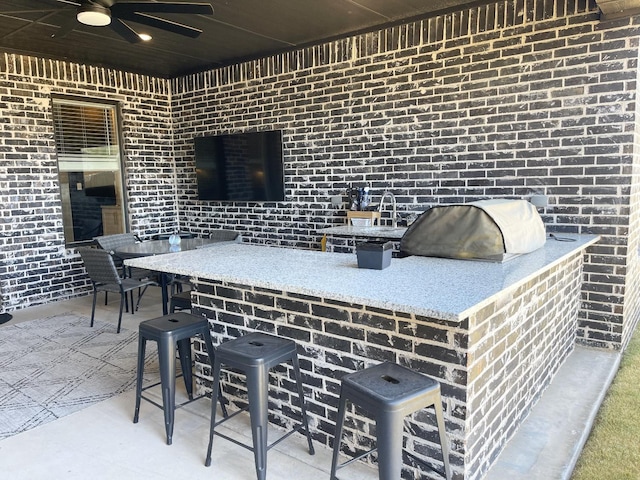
column 434, row 287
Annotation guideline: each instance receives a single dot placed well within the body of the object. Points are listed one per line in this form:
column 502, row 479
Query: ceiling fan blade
column 162, row 7
column 66, row 27
column 162, row 24
column 125, row 31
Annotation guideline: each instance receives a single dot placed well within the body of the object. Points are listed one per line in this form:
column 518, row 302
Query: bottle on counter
column 365, row 198
column 174, row 239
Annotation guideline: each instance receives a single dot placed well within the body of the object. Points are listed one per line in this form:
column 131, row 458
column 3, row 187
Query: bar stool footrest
column 423, row 463
column 355, row 459
column 409, row 454
column 179, row 405
column 297, row 428
column 229, row 417
column 179, row 375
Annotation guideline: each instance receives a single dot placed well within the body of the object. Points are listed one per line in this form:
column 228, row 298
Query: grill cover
column 487, row 230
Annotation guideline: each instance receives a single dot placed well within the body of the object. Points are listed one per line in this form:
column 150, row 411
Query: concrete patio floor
column 548, row 444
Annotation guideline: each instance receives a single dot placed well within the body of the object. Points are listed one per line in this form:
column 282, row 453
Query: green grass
column 612, row 451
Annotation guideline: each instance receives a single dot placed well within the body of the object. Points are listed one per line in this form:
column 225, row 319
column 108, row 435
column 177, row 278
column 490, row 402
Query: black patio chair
column 104, row 277
column 111, row 243
column 224, row 235
column 165, row 236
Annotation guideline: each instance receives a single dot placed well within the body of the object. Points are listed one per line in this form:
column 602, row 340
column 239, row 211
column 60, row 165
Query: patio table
column 161, row 247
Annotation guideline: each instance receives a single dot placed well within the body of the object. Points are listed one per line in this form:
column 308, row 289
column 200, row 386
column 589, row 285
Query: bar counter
column 437, row 287
column 493, row 334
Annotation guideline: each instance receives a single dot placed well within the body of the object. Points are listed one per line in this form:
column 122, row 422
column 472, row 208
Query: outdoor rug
column 54, row 366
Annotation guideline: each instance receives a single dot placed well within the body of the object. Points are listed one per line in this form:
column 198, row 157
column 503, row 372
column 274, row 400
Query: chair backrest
column 99, row 265
column 111, row 242
column 165, row 236
column 225, row 235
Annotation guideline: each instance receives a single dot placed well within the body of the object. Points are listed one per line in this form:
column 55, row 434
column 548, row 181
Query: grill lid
column 487, row 230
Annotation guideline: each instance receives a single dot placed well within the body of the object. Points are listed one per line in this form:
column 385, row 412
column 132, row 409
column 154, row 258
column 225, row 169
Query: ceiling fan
column 116, row 14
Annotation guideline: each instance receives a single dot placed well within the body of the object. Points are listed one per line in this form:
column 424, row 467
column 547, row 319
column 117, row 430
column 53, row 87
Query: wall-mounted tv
column 240, row 167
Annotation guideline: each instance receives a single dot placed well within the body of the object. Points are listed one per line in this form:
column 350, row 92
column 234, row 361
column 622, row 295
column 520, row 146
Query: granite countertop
column 436, row 287
column 369, row 231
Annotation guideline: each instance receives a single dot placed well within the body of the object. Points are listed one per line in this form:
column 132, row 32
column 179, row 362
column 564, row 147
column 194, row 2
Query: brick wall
column 631, row 251
column 505, row 100
column 35, row 266
column 493, row 366
column 516, row 348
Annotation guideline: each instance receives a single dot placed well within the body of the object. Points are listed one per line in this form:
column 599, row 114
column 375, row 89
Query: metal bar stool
column 255, row 354
column 389, row 392
column 167, row 331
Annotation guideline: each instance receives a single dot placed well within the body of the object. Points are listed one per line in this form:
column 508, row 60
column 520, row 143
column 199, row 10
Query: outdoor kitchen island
column 493, row 334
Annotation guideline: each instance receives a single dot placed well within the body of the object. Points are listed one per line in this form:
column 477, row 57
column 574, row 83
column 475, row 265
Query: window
column 89, row 168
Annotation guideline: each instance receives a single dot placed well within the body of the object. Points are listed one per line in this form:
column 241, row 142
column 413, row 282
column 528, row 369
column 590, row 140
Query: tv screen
column 99, row 184
column 240, row 167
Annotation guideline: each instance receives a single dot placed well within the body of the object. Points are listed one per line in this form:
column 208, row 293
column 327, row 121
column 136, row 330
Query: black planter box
column 374, row 255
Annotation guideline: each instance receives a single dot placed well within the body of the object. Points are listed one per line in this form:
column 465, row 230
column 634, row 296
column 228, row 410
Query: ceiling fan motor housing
column 94, row 15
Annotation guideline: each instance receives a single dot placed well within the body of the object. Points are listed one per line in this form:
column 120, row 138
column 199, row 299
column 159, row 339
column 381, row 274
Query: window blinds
column 86, row 136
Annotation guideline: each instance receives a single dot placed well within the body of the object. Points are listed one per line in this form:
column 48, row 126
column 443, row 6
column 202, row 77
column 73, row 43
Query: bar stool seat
column 169, row 331
column 255, row 354
column 389, row 392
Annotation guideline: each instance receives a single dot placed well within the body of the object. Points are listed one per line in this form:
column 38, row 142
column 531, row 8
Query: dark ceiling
column 238, row 30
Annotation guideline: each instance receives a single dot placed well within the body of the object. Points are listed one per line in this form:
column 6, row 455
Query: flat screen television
column 240, row 167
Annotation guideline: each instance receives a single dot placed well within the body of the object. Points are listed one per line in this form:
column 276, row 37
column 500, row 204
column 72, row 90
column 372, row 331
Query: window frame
column 117, row 110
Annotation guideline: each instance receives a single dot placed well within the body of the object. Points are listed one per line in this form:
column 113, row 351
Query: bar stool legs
column 167, row 363
column 256, row 354
column 443, row 442
column 303, row 409
column 258, row 398
column 142, row 347
column 389, row 430
column 169, row 331
column 215, row 389
column 389, row 392
column 184, row 353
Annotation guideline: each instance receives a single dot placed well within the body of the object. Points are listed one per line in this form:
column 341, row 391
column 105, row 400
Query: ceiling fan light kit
column 94, row 15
